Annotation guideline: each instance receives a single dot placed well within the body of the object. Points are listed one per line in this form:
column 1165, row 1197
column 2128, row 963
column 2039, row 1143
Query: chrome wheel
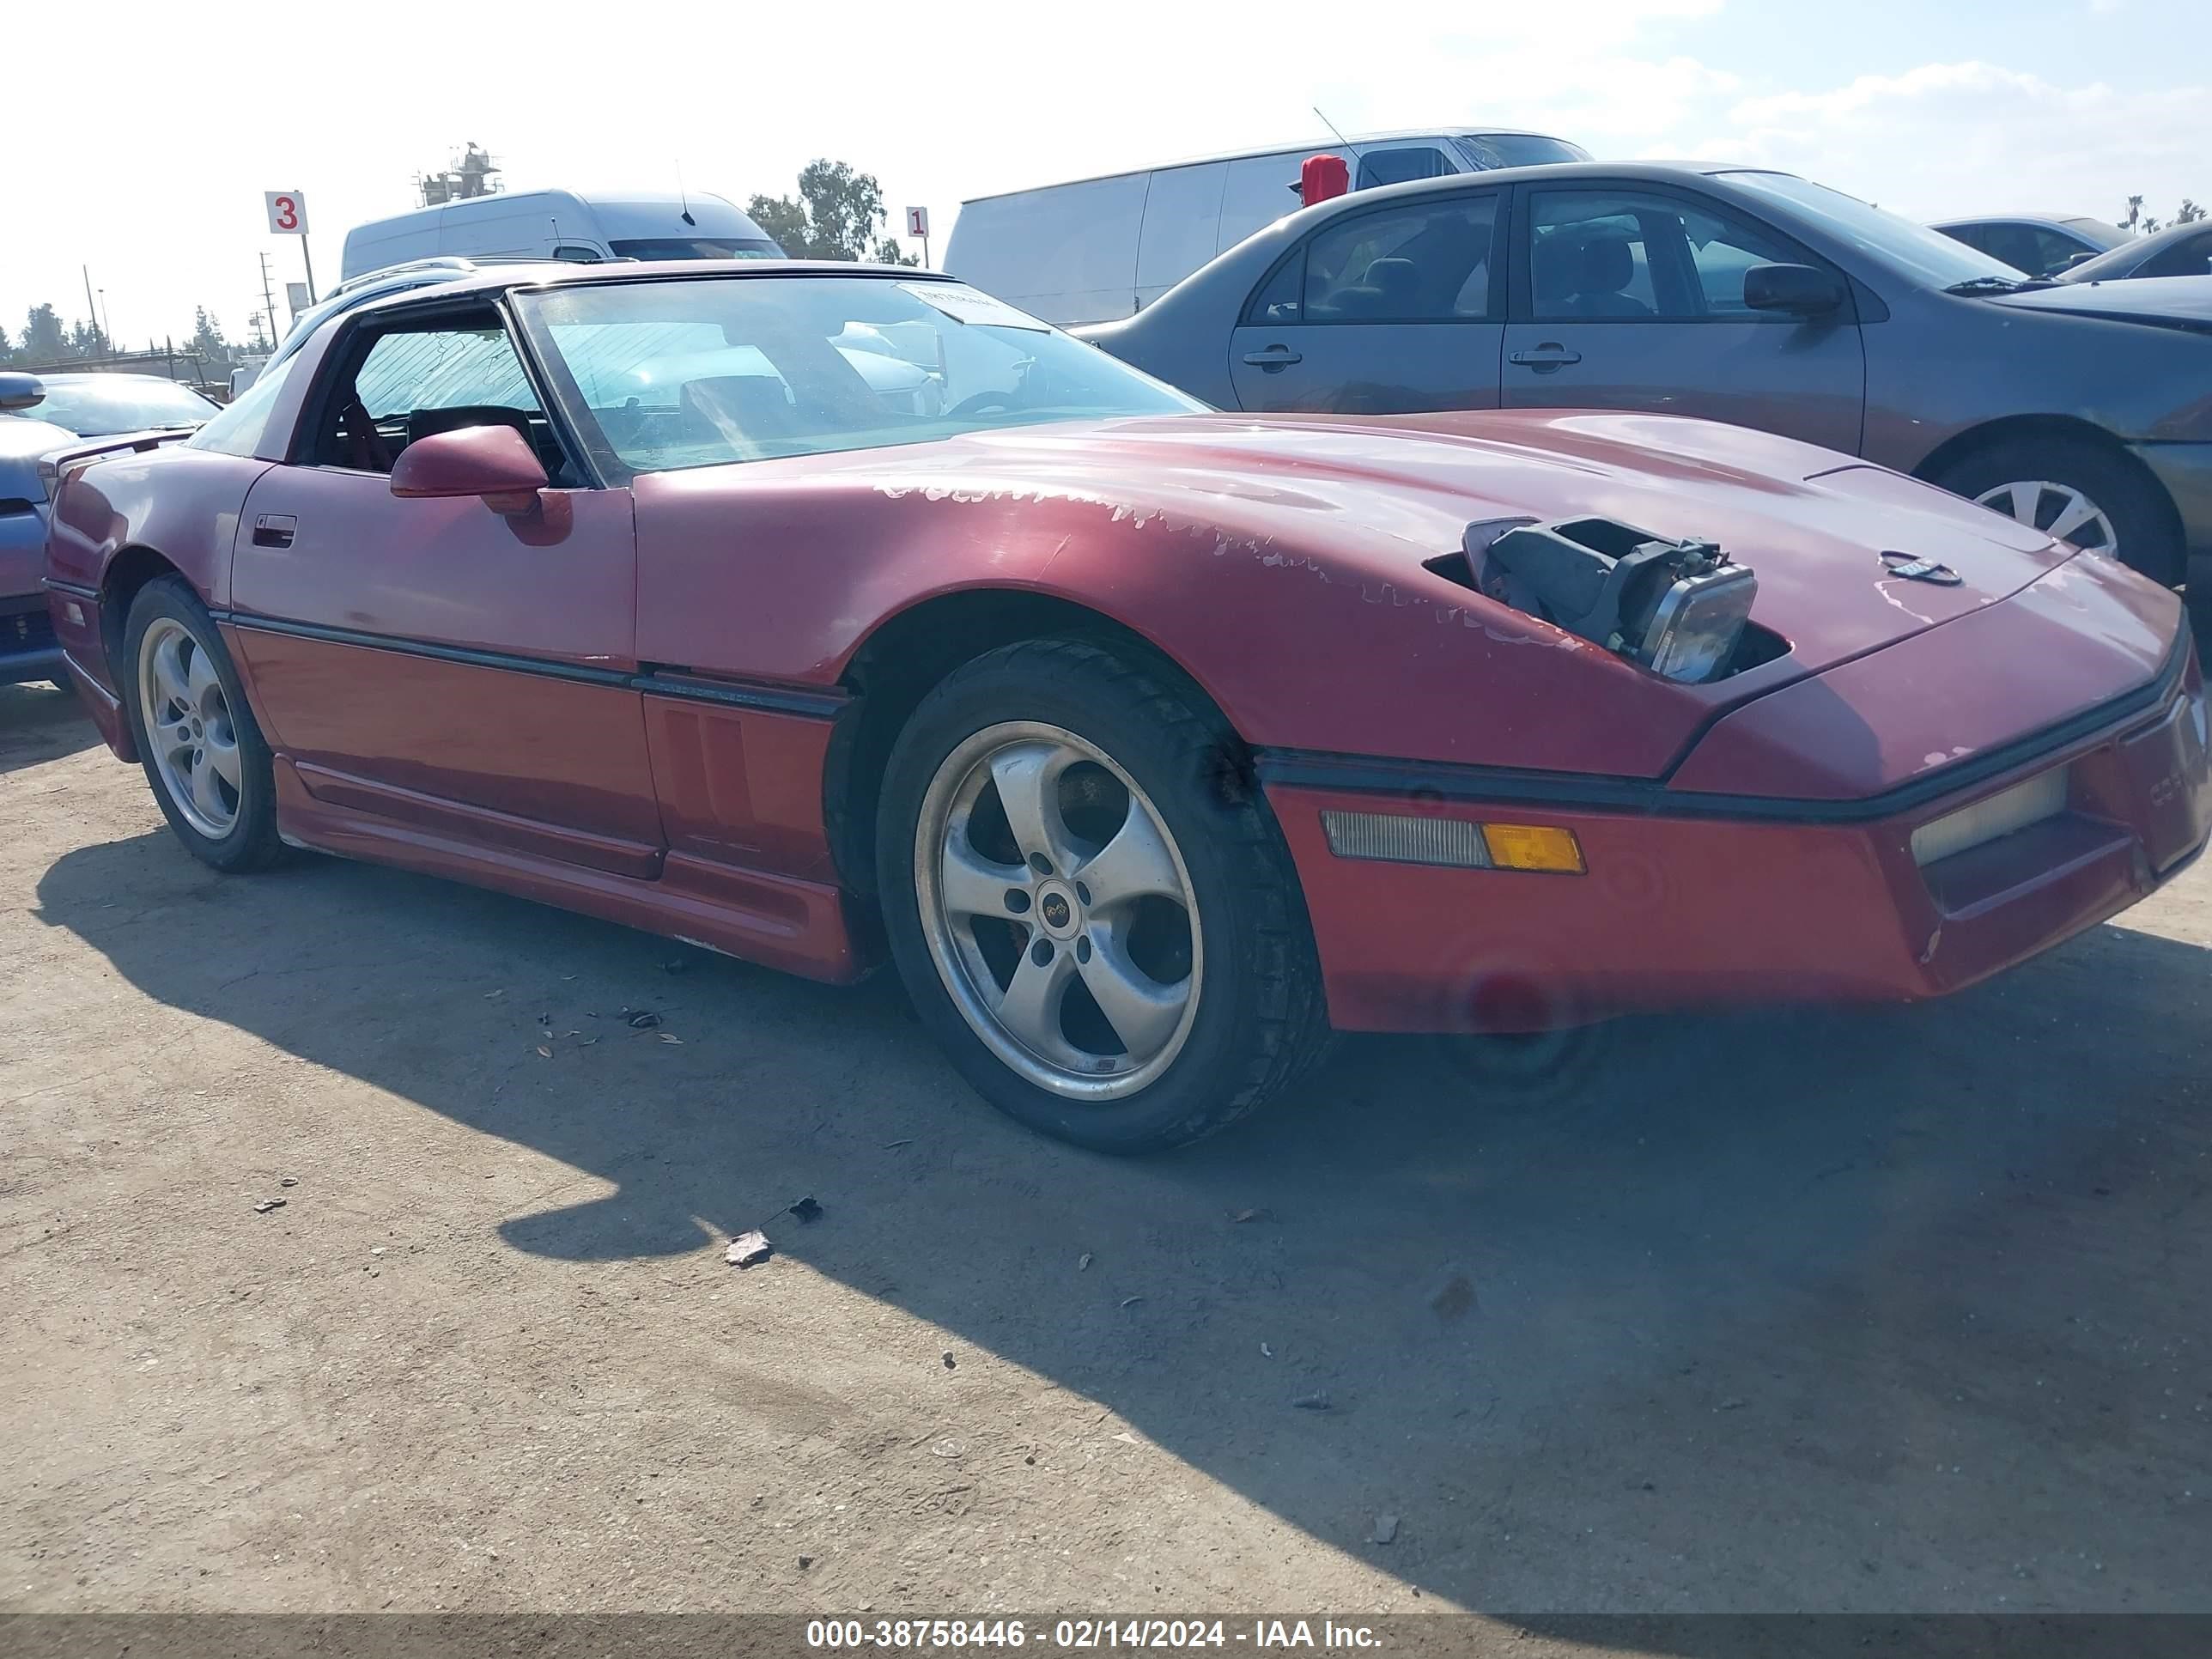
column 2058, row 509
column 1058, row 910
column 193, row 744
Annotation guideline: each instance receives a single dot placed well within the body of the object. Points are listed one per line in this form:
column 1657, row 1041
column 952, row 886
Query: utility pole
column 88, row 305
column 268, row 300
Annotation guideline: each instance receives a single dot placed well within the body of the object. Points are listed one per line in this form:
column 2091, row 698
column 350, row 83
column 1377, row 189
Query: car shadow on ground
column 39, row 723
column 1834, row 1287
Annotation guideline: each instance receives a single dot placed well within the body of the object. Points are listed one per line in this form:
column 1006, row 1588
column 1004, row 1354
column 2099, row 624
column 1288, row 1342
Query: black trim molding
column 660, row 682
column 1434, row 780
column 76, row 590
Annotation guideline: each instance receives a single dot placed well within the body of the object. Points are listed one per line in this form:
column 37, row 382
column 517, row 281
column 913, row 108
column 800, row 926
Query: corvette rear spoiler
column 53, row 467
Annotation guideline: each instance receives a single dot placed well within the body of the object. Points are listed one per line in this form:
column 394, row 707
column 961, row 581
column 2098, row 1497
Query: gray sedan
column 1730, row 293
column 2177, row 251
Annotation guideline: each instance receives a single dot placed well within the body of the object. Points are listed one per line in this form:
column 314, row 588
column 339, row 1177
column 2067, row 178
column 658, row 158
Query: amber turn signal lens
column 1533, row 846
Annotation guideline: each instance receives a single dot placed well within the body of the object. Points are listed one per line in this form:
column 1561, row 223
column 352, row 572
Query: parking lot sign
column 287, row 212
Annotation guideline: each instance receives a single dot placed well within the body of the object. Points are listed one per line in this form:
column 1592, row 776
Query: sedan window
column 2189, row 257
column 1609, row 255
column 1929, row 256
column 1426, row 263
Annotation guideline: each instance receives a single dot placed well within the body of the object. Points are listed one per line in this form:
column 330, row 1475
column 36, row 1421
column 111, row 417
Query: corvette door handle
column 1273, row 356
column 1549, row 355
column 273, row 530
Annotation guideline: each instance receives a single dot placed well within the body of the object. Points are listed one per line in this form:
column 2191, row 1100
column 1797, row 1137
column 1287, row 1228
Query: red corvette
column 818, row 614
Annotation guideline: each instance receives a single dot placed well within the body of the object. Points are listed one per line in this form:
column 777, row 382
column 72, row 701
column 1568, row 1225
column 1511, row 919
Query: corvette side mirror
column 1802, row 290
column 495, row 462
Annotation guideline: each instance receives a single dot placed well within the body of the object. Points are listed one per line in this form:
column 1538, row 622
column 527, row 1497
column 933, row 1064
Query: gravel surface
column 1894, row 1309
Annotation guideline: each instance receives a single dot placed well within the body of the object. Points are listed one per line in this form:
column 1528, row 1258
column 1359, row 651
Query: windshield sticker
column 968, row 305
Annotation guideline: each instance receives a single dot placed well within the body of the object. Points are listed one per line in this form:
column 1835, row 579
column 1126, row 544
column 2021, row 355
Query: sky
column 146, row 162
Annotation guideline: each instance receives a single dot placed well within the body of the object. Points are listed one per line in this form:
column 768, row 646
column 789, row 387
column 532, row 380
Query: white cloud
column 1962, row 137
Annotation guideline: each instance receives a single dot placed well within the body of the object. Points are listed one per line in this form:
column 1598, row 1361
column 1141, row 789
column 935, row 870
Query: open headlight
column 1679, row 608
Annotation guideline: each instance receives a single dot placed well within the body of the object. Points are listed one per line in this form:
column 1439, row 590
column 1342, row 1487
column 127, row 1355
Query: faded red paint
column 1283, row 564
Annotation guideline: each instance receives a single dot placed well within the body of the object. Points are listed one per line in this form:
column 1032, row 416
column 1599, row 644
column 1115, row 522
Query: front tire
column 1093, row 914
column 204, row 755
column 2101, row 502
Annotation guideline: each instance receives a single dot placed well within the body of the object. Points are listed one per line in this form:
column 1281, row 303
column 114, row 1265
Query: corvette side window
column 410, row 383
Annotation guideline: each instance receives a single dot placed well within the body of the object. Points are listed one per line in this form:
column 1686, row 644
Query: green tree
column 207, row 337
column 43, row 338
column 2189, row 213
column 835, row 216
column 88, row 339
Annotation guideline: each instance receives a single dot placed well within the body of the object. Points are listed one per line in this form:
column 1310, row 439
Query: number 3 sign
column 287, row 213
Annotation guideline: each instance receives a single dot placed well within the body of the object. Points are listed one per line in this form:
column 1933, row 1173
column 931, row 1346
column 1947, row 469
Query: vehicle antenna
column 682, row 196
column 1340, row 138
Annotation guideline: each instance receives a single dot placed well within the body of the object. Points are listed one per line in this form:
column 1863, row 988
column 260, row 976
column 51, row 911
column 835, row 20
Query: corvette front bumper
column 1703, row 910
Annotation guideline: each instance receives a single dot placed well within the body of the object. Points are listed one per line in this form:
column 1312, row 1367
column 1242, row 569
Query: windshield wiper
column 1999, row 285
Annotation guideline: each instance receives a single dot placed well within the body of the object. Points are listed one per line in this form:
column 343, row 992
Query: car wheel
column 2075, row 492
column 1093, row 914
column 202, row 752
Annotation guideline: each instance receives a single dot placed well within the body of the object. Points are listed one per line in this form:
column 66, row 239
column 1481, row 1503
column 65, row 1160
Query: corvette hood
column 1378, row 497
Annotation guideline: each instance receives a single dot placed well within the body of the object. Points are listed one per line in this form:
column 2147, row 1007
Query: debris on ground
column 494, row 996
column 1734, row 1402
column 288, row 1181
column 805, row 1562
column 640, row 1019
column 543, row 1052
column 666, row 1037
column 749, row 1249
column 1249, row 1215
column 948, row 1448
column 1454, row 1297
column 1266, row 1353
column 1386, row 1528
column 1131, row 1301
column 948, row 1361
column 267, row 1205
column 806, row 1210
column 1310, row 1402
column 893, row 1146
column 1082, row 1262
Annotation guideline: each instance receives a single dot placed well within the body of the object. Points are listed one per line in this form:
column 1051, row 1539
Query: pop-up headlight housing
column 1680, row 608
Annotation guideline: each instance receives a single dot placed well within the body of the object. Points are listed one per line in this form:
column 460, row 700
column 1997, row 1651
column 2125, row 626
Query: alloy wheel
column 2060, row 510
column 1059, row 911
column 194, row 743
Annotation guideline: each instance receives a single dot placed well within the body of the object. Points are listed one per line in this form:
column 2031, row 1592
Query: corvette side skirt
column 799, row 926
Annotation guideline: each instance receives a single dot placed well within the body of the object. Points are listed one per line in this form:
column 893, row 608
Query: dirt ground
column 1883, row 1310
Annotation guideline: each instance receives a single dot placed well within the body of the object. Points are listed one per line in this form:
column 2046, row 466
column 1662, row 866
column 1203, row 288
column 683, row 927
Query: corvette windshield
column 677, row 374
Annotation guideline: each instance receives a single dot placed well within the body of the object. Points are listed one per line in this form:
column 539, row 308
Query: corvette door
column 1382, row 310
column 432, row 661
column 1635, row 300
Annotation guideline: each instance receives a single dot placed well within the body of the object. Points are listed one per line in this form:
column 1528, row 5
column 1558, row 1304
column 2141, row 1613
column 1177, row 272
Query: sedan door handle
column 1546, row 357
column 1273, row 356
column 273, row 530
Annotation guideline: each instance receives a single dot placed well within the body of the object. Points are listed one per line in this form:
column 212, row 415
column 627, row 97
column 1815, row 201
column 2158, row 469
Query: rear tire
column 1156, row 875
column 204, row 755
column 2047, row 482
